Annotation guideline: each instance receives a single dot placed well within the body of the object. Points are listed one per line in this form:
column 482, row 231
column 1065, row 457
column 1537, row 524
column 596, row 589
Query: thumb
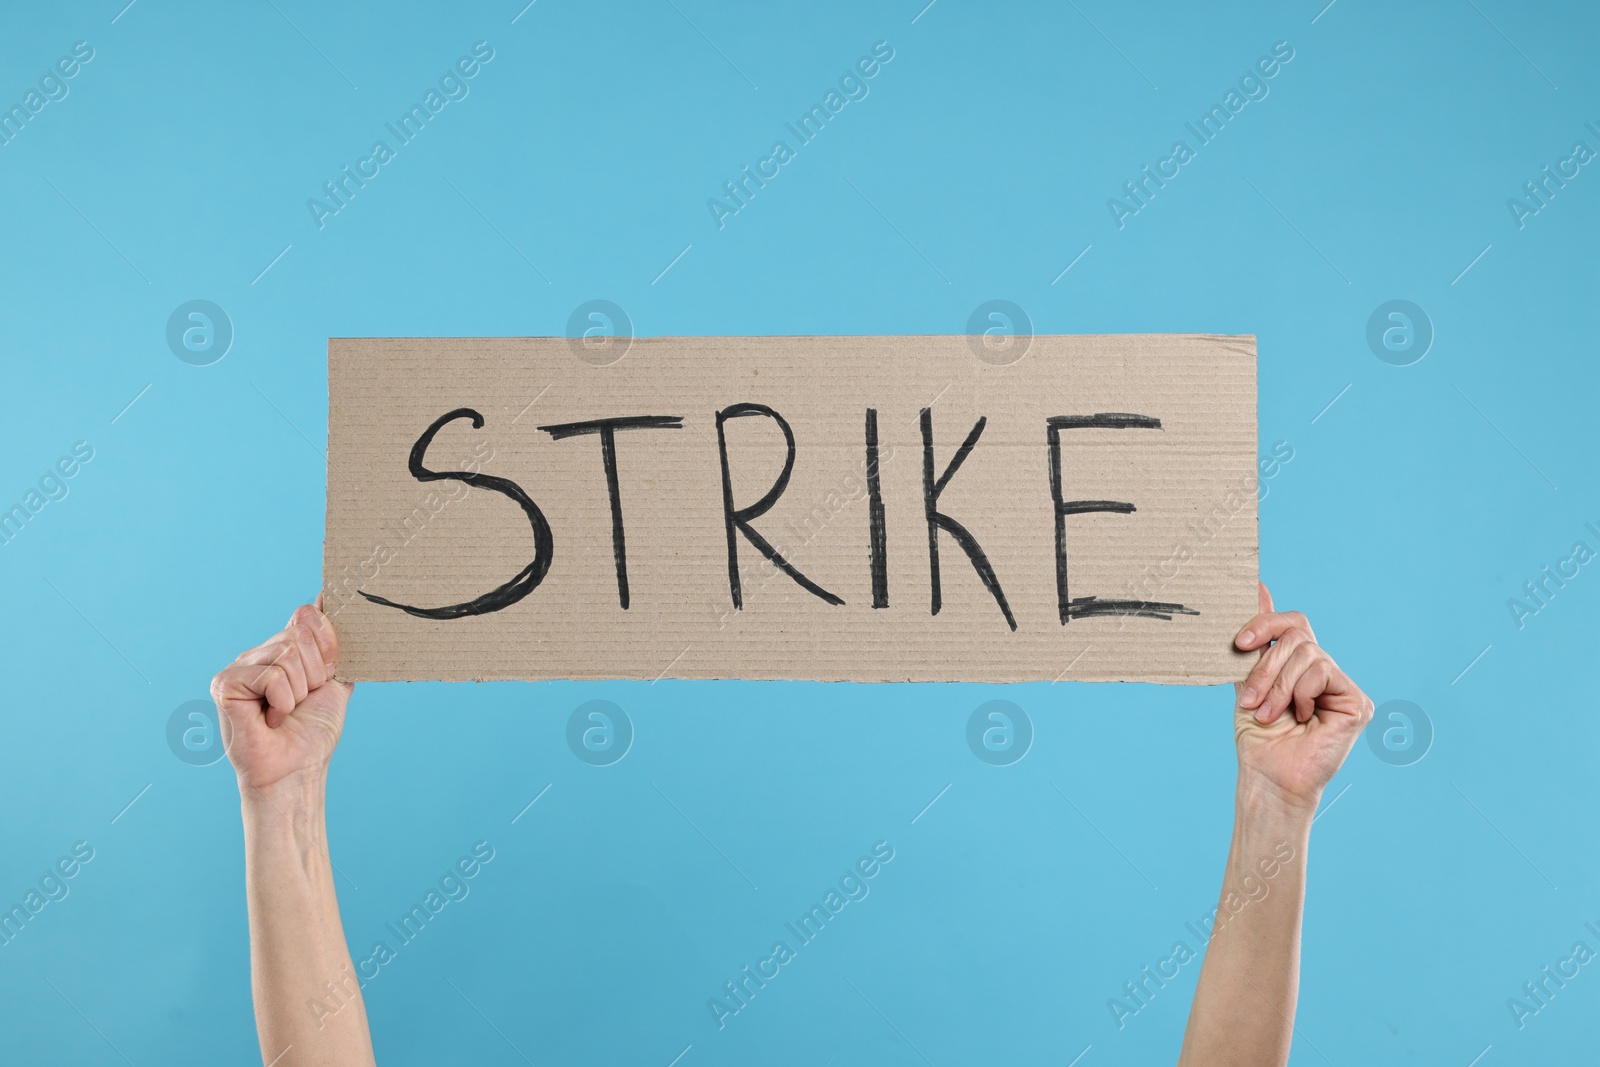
column 1264, row 596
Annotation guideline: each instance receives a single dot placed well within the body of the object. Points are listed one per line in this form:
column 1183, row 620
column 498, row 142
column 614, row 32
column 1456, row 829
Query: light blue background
column 1414, row 507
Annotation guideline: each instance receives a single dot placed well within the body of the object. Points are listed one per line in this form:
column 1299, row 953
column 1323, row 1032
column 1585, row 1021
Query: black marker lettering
column 937, row 521
column 878, row 534
column 1089, row 606
column 607, row 429
column 739, row 519
column 543, row 544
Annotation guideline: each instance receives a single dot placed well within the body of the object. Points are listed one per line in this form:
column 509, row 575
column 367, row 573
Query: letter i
column 875, row 520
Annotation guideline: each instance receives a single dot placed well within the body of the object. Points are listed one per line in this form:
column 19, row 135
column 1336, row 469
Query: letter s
column 83, row 50
column 544, row 546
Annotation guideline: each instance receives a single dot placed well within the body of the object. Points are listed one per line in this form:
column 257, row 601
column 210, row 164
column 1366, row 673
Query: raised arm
column 1295, row 718
column 281, row 713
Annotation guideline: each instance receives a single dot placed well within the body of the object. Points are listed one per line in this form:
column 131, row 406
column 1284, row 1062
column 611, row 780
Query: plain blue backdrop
column 178, row 166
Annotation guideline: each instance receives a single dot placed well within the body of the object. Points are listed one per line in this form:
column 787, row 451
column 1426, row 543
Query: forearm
column 1243, row 1013
column 307, row 1000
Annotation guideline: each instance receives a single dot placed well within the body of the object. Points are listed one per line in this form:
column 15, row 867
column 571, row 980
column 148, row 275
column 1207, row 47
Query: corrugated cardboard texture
column 1190, row 539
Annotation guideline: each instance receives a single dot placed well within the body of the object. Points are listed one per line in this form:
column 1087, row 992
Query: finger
column 1311, row 685
column 1343, row 697
column 237, row 692
column 1264, row 599
column 1259, row 680
column 1281, row 694
column 321, row 627
column 1366, row 710
column 286, row 654
column 273, row 682
column 296, row 651
column 248, row 684
column 1268, row 626
column 316, row 670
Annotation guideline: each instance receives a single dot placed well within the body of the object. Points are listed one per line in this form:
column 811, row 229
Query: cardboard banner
column 827, row 508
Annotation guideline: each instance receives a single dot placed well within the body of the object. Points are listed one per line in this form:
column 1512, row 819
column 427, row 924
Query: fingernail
column 1246, row 637
column 1249, row 696
column 1261, row 714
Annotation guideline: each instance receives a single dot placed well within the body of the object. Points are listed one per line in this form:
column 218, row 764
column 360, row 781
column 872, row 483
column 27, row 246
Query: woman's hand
column 280, row 709
column 281, row 713
column 1297, row 714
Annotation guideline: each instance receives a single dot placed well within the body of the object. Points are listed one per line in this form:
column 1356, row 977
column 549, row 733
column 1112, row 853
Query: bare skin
column 1295, row 719
column 281, row 712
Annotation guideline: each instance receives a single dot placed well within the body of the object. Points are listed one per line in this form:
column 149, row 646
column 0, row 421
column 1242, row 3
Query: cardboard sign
column 827, row 508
